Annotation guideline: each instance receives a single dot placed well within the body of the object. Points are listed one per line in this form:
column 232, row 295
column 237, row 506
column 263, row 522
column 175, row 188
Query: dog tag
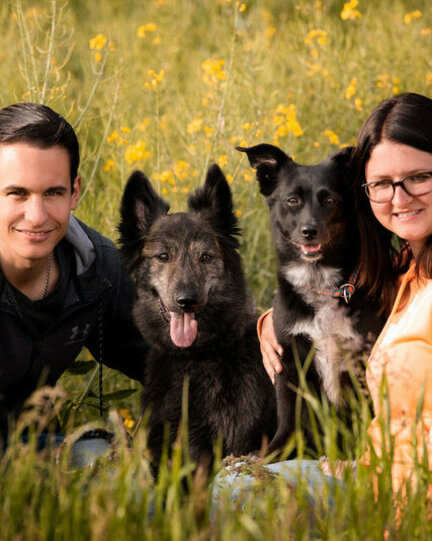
column 347, row 292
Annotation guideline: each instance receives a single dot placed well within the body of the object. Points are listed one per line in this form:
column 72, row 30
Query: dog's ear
column 140, row 206
column 267, row 160
column 214, row 202
column 343, row 159
column 343, row 156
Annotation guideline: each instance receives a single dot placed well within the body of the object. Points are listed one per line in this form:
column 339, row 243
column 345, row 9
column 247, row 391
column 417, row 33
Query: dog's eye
column 206, row 258
column 293, row 201
column 330, row 201
column 163, row 257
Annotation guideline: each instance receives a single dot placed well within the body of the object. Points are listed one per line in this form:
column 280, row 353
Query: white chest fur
column 331, row 329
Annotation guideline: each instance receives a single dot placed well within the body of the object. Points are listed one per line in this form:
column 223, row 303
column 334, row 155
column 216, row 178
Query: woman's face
column 409, row 217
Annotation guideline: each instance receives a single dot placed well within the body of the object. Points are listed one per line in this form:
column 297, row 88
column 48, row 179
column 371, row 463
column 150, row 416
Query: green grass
column 232, row 76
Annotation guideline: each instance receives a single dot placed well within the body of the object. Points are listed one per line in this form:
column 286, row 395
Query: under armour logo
column 79, row 334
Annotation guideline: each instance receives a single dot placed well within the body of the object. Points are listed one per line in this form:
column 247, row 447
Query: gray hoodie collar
column 85, row 252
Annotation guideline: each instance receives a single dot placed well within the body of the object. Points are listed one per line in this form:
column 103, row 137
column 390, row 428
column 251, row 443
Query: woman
column 393, row 186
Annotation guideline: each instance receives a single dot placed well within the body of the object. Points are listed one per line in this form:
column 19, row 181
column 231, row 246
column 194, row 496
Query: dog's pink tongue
column 183, row 329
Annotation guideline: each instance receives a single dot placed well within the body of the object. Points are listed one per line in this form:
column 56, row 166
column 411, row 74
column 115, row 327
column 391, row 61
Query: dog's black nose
column 309, row 232
column 187, row 302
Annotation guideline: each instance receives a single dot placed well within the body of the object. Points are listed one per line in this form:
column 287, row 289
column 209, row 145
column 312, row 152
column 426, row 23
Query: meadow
column 169, row 87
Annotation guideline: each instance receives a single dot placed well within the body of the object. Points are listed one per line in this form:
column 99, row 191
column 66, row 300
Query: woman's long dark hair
column 405, row 119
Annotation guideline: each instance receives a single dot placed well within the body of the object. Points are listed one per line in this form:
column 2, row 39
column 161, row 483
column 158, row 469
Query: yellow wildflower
column 181, row 169
column 109, row 165
column 332, row 136
column 229, row 178
column 141, row 32
column 270, row 31
column 358, row 104
column 34, row 12
column 126, row 415
column 382, row 80
column 238, row 213
column 155, row 79
column 167, row 176
column 318, row 36
column 143, row 29
column 349, row 11
column 164, row 191
column 143, row 124
column 385, row 81
column 316, row 144
column 98, row 42
column 97, row 57
column 113, row 137
column 111, row 46
column 247, row 175
column 222, row 160
column 195, row 125
column 247, row 126
column 125, row 129
column 242, row 7
column 185, row 189
column 286, row 120
column 313, row 68
column 258, row 133
column 351, row 88
column 136, row 152
column 213, row 72
column 425, row 32
column 412, row 15
column 208, row 131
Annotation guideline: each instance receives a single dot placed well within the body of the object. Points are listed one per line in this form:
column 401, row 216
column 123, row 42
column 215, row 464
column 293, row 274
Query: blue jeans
column 234, row 485
column 90, row 446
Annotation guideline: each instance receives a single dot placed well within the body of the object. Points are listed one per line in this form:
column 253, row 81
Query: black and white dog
column 317, row 302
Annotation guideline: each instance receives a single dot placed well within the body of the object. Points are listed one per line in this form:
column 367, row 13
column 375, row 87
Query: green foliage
column 169, row 86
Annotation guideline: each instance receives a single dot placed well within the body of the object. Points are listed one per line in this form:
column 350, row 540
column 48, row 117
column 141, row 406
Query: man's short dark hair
column 39, row 125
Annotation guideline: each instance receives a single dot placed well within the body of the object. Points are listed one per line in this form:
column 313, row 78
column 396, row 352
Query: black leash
column 100, row 329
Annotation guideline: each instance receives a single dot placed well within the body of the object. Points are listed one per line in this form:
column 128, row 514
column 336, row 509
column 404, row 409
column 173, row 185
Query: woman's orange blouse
column 401, row 365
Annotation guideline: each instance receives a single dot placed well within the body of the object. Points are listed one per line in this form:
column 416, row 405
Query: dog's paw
column 254, row 455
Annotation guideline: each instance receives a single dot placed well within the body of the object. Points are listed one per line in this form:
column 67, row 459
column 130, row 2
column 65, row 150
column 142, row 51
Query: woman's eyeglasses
column 382, row 191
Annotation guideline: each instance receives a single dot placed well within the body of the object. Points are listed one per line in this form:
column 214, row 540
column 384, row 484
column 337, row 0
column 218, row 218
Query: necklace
column 47, row 276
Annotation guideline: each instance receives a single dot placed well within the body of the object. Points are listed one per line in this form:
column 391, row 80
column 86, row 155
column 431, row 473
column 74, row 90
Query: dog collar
column 345, row 290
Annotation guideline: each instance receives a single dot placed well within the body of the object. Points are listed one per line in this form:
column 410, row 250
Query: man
column 62, row 285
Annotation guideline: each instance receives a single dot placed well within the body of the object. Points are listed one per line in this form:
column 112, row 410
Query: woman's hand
column 335, row 468
column 270, row 349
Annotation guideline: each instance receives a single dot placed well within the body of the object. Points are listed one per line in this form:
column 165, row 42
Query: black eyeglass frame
column 397, row 183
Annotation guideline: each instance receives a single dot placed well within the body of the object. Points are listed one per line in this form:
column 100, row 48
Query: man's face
column 35, row 201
